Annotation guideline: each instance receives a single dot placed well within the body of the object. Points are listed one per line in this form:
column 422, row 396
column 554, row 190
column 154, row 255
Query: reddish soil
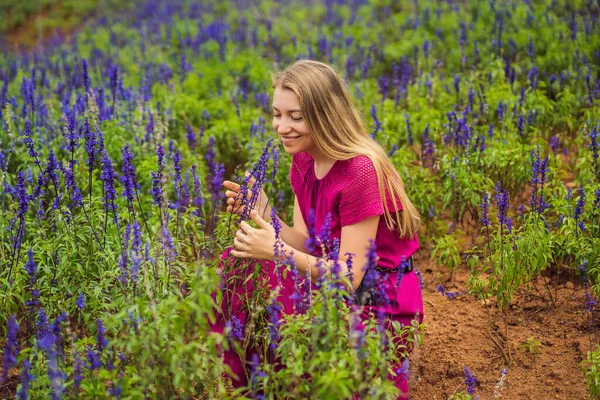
column 456, row 335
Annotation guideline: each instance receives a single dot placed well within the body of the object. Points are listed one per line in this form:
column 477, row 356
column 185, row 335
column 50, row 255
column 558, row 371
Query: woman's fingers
column 238, row 244
column 231, row 194
column 231, row 186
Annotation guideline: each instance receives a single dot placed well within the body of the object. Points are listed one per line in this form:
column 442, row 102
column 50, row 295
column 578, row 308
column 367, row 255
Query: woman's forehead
column 285, row 99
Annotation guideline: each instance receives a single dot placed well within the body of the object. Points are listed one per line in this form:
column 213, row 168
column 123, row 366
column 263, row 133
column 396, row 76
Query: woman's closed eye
column 293, row 117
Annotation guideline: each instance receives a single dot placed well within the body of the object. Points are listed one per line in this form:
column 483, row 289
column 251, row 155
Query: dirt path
column 456, row 336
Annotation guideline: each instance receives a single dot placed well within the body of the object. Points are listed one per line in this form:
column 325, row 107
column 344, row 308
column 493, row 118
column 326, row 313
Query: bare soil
column 461, row 332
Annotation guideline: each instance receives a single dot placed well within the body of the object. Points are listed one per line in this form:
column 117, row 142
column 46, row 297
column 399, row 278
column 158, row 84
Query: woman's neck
column 322, row 163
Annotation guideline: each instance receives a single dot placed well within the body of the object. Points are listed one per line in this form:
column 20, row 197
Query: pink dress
column 346, row 195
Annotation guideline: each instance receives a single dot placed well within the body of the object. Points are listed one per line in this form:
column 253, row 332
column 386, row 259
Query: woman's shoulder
column 359, row 165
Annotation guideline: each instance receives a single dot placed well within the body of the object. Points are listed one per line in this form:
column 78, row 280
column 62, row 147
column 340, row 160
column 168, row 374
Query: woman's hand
column 255, row 243
column 234, row 198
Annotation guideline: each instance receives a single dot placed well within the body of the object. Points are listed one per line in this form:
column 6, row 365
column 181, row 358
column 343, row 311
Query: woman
column 341, row 177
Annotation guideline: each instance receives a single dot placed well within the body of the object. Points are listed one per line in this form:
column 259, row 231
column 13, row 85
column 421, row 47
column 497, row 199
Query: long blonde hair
column 339, row 133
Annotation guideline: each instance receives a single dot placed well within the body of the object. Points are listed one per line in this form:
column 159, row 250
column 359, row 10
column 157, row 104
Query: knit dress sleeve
column 361, row 198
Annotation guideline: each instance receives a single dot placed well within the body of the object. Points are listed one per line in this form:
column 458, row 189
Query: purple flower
column 90, row 144
column 457, row 84
column 216, row 181
column 30, row 266
column 108, row 176
column 579, row 208
column 85, row 75
column 71, row 184
column 101, row 340
column 371, row 276
column 93, row 359
column 168, row 244
column 157, row 177
column 485, row 206
column 404, row 369
column 114, row 84
column 198, row 200
column 9, row 359
column 72, row 135
column 80, row 301
column 78, row 366
column 311, row 243
column 450, row 295
column 521, row 126
column 191, row 137
column 21, row 196
column 236, row 328
column 594, row 142
column 177, row 167
column 26, row 378
column 51, row 168
column 378, row 125
column 274, row 310
column 28, row 140
column 533, row 77
column 502, row 200
column 470, row 381
column 554, row 144
column 408, row 130
column 129, row 178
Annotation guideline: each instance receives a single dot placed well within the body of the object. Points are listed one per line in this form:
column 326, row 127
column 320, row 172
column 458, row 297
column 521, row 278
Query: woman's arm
column 294, row 236
column 259, row 243
column 354, row 240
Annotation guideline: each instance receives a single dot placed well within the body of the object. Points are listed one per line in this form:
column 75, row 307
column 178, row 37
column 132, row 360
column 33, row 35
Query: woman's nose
column 283, row 127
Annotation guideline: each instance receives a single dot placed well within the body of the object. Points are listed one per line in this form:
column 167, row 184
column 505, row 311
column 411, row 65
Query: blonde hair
column 339, row 133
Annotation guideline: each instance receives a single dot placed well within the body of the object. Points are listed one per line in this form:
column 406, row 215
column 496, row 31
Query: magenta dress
column 348, row 194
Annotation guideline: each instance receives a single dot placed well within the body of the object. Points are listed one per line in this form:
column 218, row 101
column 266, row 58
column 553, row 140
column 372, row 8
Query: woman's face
column 289, row 123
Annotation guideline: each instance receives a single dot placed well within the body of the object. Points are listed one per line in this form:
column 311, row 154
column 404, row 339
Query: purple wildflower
column 376, row 121
column 157, row 177
column 502, row 200
column 101, row 340
column 198, row 200
column 236, row 328
column 485, row 207
column 90, row 144
column 274, row 310
column 312, row 242
column 191, row 137
column 9, row 359
column 129, row 178
column 470, row 381
column 71, row 183
column 30, row 266
column 26, row 378
column 28, row 140
column 85, row 75
column 93, row 359
column 80, row 303
column 21, row 196
column 114, row 84
column 108, row 176
column 177, row 167
column 579, row 208
column 78, row 366
column 533, row 77
column 72, row 134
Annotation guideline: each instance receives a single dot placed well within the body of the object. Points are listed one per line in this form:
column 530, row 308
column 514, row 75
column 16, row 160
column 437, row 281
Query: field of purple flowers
column 114, row 146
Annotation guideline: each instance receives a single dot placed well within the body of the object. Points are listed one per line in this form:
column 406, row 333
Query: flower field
column 114, row 146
